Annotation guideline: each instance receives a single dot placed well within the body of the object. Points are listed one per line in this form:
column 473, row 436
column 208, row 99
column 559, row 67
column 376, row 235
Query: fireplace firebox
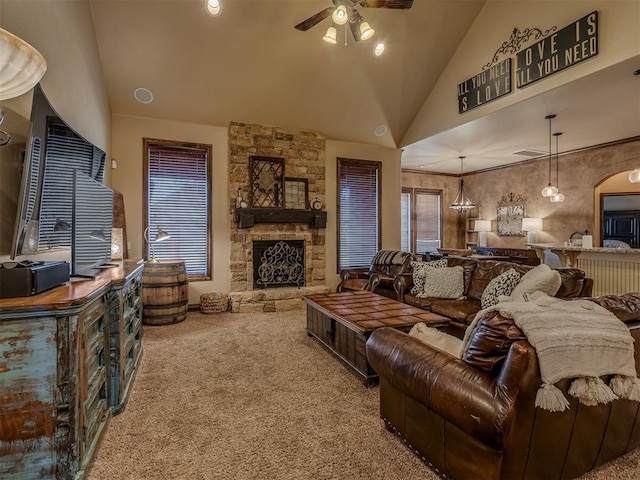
column 278, row 263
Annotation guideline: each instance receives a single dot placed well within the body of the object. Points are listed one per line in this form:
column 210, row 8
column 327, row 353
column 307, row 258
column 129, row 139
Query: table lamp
column 531, row 226
column 482, row 227
column 161, row 236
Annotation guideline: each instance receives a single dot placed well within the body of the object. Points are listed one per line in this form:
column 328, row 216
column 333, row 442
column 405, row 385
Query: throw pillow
column 500, row 285
column 541, row 278
column 435, row 338
column 418, row 268
column 447, row 282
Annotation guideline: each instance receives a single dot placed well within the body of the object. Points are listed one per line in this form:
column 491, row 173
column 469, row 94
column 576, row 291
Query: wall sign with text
column 488, row 85
column 563, row 48
column 571, row 45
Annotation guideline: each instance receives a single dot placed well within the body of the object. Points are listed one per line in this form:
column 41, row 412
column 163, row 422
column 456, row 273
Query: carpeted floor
column 251, row 396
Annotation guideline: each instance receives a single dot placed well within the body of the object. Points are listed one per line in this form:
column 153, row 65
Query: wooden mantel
column 247, row 217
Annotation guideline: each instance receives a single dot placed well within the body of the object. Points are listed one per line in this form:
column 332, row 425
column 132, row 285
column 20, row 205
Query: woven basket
column 214, row 302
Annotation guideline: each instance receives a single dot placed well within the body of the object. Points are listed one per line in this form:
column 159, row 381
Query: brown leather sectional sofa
column 475, row 418
column 478, row 274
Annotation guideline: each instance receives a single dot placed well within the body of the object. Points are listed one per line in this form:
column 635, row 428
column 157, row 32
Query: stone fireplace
column 303, row 154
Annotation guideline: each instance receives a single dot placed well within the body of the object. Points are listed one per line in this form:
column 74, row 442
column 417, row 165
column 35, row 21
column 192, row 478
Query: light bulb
column 557, row 198
column 213, row 7
column 366, row 31
column 549, row 191
column 379, row 49
column 330, row 36
column 340, row 16
column 634, row 177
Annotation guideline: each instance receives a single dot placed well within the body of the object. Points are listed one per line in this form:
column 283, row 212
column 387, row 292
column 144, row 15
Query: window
column 421, row 220
column 405, row 220
column 177, row 201
column 359, row 199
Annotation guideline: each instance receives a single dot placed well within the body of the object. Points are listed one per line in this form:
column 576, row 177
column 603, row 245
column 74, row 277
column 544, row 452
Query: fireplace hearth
column 278, row 263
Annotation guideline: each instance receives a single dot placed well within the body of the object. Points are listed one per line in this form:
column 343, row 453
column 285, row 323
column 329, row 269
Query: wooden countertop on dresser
column 74, row 292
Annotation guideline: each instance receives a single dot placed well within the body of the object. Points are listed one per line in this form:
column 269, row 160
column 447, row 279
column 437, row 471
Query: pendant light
column 558, row 197
column 549, row 190
column 462, row 203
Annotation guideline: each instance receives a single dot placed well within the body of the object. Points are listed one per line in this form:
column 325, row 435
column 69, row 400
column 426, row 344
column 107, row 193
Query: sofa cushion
column 445, row 282
column 540, row 278
column 418, row 271
column 415, row 301
column 467, row 264
column 434, row 337
column 459, row 310
column 487, row 270
column 490, row 341
column 572, row 282
column 390, row 257
column 503, row 284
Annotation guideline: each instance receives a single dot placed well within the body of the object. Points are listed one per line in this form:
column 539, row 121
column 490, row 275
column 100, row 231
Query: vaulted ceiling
column 250, row 65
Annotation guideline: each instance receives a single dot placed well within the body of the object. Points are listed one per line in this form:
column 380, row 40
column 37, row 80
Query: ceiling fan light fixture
column 366, row 31
column 331, row 36
column 213, row 7
column 340, row 15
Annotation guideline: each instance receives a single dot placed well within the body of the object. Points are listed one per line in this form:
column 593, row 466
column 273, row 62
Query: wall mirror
column 44, row 203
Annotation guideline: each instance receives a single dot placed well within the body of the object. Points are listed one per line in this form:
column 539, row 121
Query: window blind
column 428, row 233
column 405, row 221
column 358, row 213
column 177, row 202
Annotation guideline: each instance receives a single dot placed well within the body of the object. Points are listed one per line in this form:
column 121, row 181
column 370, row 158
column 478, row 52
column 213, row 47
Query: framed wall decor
column 511, row 210
column 296, row 193
column 266, row 182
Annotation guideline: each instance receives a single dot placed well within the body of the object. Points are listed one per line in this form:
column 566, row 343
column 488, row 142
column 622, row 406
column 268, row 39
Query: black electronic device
column 27, row 278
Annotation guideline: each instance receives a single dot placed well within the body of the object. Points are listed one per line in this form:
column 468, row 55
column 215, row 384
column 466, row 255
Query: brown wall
column 579, row 174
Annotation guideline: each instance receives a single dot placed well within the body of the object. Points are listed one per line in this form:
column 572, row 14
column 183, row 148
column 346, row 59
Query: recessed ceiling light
column 380, row 130
column 423, row 166
column 379, row 50
column 213, row 7
column 143, row 95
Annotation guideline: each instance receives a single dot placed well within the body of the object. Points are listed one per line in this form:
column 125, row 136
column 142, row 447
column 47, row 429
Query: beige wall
column 127, row 149
column 391, row 188
column 619, row 39
column 63, row 32
column 580, row 173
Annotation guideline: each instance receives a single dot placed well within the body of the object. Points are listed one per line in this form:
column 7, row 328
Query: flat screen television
column 92, row 219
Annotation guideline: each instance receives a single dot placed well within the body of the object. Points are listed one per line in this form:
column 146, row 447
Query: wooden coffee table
column 342, row 322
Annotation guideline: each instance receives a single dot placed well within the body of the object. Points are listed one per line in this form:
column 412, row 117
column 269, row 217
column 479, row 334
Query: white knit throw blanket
column 576, row 339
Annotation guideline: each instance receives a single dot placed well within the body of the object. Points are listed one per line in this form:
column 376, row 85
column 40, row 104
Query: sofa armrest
column 402, row 284
column 354, row 273
column 474, row 401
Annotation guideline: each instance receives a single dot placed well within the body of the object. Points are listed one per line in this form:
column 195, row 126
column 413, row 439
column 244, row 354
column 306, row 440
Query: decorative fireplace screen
column 278, row 263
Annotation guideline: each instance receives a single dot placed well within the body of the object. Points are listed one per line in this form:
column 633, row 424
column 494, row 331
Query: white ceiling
column 250, row 65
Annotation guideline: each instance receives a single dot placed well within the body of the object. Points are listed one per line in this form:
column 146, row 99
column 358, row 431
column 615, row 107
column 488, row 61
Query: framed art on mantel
column 511, row 210
column 266, row 182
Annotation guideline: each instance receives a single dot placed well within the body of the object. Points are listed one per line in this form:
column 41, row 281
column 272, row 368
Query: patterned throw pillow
column 501, row 285
column 443, row 283
column 418, row 269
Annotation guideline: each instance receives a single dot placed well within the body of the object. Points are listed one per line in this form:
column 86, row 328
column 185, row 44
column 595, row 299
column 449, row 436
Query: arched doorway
column 615, row 198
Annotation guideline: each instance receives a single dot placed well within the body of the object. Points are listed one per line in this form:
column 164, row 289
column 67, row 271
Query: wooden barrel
column 165, row 292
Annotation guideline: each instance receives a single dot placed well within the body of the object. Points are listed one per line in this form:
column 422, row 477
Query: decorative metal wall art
column 517, row 38
column 511, row 210
column 266, row 182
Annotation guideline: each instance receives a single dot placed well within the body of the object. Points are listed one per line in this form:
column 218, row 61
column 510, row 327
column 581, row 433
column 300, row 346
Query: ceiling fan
column 344, row 11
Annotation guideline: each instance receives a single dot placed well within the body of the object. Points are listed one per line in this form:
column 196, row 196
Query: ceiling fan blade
column 398, row 4
column 355, row 30
column 314, row 19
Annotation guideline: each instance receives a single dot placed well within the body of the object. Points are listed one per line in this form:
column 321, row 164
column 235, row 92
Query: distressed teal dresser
column 67, row 360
